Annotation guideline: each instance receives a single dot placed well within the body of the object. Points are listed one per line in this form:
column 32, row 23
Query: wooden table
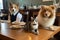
column 9, row 34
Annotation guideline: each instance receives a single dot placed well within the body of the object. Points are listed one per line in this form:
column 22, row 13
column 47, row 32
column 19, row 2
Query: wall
column 28, row 2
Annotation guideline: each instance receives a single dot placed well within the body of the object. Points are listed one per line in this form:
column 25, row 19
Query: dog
column 14, row 10
column 15, row 16
column 34, row 25
column 46, row 16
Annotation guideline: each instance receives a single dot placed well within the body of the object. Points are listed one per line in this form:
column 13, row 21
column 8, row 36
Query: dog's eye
column 15, row 7
column 11, row 7
column 44, row 10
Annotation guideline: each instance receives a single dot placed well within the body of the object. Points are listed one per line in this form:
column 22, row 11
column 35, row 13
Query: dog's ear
column 53, row 7
column 17, row 4
column 42, row 7
column 10, row 4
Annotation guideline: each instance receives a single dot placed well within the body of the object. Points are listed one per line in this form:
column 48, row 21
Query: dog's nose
column 12, row 10
column 45, row 14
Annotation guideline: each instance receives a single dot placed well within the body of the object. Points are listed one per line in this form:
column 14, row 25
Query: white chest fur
column 34, row 24
column 46, row 22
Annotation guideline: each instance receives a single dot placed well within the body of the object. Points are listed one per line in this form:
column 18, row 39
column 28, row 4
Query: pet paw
column 15, row 23
column 52, row 28
column 49, row 28
column 22, row 23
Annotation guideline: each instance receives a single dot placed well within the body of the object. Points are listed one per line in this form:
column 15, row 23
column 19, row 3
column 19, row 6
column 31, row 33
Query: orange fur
column 49, row 13
column 46, row 16
column 15, row 6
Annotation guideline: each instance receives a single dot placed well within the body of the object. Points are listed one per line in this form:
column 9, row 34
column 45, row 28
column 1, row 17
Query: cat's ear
column 32, row 18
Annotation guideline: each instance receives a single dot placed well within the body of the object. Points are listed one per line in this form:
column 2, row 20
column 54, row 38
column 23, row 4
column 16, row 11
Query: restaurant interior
column 21, row 29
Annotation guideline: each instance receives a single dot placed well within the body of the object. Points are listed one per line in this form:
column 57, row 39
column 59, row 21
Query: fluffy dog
column 46, row 16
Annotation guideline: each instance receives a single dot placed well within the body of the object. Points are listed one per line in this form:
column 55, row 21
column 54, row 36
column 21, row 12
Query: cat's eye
column 34, row 24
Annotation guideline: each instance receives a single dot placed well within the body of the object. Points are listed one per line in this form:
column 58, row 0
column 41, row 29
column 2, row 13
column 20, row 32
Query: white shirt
column 19, row 16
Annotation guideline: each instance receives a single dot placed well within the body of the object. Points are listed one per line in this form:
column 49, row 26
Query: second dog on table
column 46, row 16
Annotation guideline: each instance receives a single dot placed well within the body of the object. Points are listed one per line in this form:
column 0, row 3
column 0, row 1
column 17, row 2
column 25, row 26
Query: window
column 1, row 4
